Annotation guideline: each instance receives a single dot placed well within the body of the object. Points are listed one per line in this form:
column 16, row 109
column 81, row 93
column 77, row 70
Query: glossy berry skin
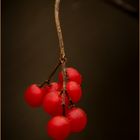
column 52, row 103
column 33, row 96
column 72, row 75
column 77, row 118
column 54, row 86
column 74, row 90
column 58, row 128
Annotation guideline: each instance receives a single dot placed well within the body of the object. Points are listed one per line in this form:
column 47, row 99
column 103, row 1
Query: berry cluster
column 60, row 104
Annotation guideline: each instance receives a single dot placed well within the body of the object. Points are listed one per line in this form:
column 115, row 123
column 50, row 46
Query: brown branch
column 62, row 50
column 58, row 27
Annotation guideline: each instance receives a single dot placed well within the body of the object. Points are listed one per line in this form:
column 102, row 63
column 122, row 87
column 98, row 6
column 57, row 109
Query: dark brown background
column 101, row 42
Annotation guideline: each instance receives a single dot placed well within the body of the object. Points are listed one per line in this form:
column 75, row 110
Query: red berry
column 77, row 118
column 33, row 96
column 52, row 103
column 54, row 86
column 74, row 91
column 72, row 75
column 58, row 127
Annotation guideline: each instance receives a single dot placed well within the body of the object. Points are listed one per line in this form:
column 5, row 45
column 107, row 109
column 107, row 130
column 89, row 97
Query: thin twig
column 71, row 104
column 58, row 27
column 62, row 51
column 51, row 75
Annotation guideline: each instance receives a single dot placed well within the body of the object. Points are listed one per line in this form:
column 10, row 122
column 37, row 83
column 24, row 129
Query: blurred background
column 101, row 41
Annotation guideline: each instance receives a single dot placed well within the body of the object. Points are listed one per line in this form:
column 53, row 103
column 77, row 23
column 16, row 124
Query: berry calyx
column 72, row 75
column 77, row 118
column 74, row 90
column 58, row 127
column 33, row 96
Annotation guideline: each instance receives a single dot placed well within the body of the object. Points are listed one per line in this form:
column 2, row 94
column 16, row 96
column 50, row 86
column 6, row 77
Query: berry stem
column 62, row 51
column 51, row 75
column 71, row 104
